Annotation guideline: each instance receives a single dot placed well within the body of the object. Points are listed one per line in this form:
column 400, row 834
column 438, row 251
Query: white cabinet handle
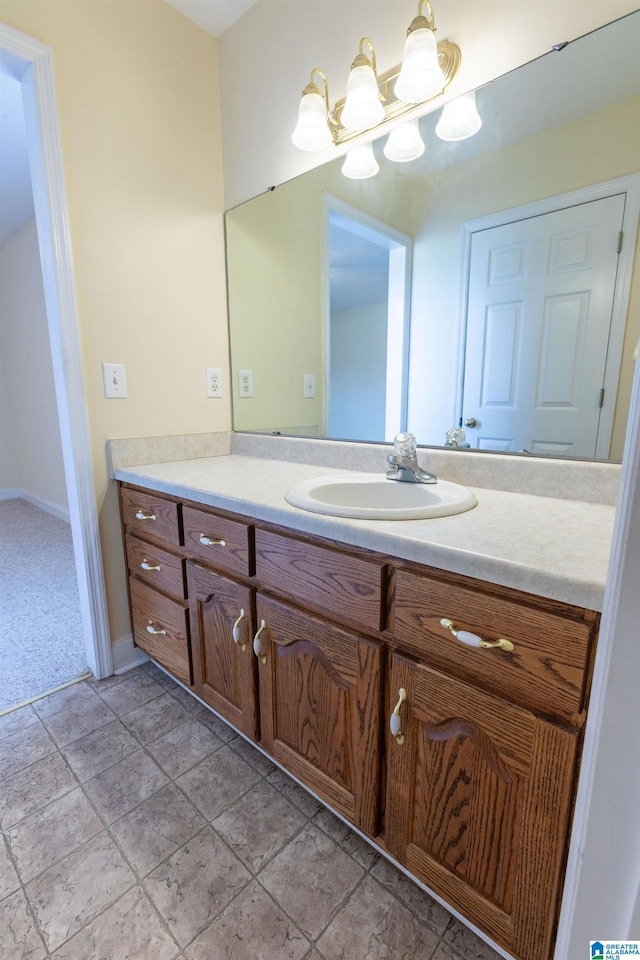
column 150, row 566
column 236, row 631
column 257, row 645
column 473, row 640
column 140, row 515
column 152, row 628
column 209, row 542
column 395, row 723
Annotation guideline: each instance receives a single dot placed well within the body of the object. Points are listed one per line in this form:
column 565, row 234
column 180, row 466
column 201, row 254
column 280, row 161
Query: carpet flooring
column 41, row 639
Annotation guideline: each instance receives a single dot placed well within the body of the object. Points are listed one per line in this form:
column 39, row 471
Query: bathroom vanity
column 322, row 640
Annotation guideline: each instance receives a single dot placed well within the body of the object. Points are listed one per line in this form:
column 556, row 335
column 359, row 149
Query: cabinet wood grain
column 160, row 627
column 151, row 516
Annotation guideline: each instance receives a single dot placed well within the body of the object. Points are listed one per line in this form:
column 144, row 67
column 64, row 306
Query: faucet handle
column 404, row 445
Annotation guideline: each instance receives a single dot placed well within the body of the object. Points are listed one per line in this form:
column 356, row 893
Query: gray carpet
column 41, row 639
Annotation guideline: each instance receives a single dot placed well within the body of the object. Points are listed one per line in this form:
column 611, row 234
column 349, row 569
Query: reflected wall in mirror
column 524, row 316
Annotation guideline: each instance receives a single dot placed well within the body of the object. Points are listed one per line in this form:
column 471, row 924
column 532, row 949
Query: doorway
column 367, row 274
column 30, row 63
column 544, row 320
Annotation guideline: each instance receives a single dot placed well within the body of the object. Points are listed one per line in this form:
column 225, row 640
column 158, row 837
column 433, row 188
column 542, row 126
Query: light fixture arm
column 312, row 87
column 362, row 60
column 422, row 20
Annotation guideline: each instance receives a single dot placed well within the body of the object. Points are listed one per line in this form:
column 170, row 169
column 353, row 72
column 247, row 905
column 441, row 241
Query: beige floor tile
column 123, row 786
column 310, row 878
column 466, row 945
column 218, row 781
column 52, row 833
column 155, row 718
column 16, row 720
column 34, row 787
column 254, row 757
column 20, row 940
column 361, row 851
column 69, row 698
column 99, row 750
column 259, row 825
column 133, row 692
column 374, row 925
column 213, row 722
column 77, row 889
column 23, row 747
column 195, row 884
column 251, row 928
column 156, row 828
column 158, row 675
column 444, row 952
column 129, row 930
column 420, row 903
column 184, row 746
column 8, row 876
column 183, row 697
column 296, row 794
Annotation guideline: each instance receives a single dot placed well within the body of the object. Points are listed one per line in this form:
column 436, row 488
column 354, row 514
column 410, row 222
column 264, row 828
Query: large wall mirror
column 493, row 282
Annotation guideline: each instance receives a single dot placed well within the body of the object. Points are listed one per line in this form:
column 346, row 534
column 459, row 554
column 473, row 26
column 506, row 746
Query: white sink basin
column 370, row 496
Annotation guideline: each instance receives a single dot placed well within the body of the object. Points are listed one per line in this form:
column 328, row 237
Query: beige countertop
column 550, row 547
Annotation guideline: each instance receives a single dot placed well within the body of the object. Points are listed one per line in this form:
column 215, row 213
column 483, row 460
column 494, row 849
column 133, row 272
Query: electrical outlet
column 214, row 382
column 114, row 379
column 245, row 383
column 309, row 386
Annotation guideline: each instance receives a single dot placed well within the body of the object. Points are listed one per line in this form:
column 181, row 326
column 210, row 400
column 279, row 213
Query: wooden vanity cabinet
column 305, row 647
column 222, row 626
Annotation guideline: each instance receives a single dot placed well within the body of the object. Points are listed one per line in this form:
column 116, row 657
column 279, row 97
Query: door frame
column 397, row 353
column 630, row 186
column 31, row 63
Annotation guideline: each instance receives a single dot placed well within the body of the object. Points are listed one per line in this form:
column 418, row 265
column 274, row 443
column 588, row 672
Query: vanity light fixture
column 404, row 143
column 372, row 100
column 360, row 163
column 459, row 119
column 420, row 77
column 363, row 107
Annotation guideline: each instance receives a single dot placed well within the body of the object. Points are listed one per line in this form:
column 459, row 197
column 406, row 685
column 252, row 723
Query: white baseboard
column 126, row 656
column 14, row 493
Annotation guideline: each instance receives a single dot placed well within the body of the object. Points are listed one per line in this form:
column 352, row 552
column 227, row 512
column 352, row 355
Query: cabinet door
column 224, row 670
column 320, row 703
column 479, row 798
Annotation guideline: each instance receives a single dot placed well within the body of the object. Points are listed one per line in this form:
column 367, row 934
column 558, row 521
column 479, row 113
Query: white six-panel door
column 540, row 301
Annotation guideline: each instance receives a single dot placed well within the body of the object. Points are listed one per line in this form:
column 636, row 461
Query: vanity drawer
column 349, row 587
column 150, row 515
column 547, row 670
column 161, row 629
column 222, row 543
column 156, row 566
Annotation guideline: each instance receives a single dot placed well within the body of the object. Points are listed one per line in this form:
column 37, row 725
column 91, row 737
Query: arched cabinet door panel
column 320, row 703
column 478, row 804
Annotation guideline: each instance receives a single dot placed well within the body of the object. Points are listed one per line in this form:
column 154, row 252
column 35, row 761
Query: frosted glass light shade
column 362, row 108
column 404, row 143
column 459, row 119
column 360, row 163
column 420, row 77
column 312, row 129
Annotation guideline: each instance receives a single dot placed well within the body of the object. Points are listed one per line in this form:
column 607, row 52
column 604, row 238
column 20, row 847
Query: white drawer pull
column 236, row 631
column 208, row 542
column 395, row 723
column 257, row 645
column 153, row 629
column 140, row 515
column 150, row 566
column 473, row 640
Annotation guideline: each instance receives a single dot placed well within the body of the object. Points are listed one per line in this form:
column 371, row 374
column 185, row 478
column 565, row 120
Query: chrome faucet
column 404, row 462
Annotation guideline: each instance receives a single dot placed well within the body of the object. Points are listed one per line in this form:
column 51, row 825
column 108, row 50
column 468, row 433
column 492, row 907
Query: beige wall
column 31, row 452
column 279, row 42
column 137, row 91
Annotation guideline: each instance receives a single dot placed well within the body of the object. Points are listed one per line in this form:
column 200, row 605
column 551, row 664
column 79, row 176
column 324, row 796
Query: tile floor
column 138, row 826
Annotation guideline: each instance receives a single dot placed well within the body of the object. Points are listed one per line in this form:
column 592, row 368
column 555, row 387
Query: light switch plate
column 114, row 378
column 309, row 386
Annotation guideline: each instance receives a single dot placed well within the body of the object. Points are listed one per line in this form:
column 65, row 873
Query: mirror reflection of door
column 540, row 305
column 367, row 271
